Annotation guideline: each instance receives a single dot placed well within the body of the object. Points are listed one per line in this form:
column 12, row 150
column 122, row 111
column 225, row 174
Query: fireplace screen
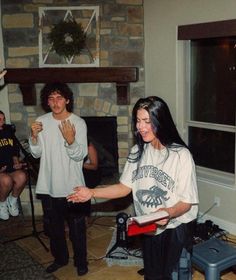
column 103, row 133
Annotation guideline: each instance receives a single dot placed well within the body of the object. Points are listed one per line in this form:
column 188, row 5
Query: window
column 211, row 106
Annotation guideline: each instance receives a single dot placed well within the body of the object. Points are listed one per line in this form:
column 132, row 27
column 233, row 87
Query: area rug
column 124, row 251
column 16, row 264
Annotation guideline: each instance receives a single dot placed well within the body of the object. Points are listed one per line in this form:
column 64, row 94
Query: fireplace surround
column 28, row 77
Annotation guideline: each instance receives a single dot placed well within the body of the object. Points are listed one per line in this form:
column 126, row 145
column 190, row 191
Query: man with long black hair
column 160, row 173
column 59, row 139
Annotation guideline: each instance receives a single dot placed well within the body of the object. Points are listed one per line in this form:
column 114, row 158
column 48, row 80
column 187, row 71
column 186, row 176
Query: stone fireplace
column 103, row 94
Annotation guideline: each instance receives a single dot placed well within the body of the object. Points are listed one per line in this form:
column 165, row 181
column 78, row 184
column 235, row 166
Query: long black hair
column 62, row 89
column 162, row 124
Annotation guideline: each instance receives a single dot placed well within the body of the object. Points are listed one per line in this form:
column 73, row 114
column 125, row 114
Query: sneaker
column 12, row 207
column 4, row 215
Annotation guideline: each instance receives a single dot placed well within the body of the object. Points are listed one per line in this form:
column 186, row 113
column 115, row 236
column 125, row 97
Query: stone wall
column 121, row 29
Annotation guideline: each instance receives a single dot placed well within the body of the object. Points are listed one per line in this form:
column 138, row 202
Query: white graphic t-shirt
column 161, row 179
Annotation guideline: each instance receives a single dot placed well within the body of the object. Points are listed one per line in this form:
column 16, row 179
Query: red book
column 145, row 223
column 135, row 229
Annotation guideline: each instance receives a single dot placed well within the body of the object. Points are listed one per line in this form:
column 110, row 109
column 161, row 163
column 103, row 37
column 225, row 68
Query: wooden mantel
column 28, row 77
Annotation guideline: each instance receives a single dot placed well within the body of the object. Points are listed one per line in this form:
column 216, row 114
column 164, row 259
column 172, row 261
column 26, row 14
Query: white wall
column 163, row 58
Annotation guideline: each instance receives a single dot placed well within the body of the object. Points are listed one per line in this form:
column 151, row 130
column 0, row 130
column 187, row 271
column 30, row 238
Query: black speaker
column 121, row 235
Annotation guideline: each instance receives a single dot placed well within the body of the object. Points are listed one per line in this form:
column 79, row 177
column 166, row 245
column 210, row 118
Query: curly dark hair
column 62, row 89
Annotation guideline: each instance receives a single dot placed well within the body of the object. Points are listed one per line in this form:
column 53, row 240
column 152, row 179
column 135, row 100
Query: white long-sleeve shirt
column 60, row 164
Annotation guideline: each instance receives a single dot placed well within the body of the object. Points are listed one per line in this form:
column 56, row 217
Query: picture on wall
column 69, row 36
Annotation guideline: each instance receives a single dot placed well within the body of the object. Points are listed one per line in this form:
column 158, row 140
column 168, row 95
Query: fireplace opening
column 103, row 133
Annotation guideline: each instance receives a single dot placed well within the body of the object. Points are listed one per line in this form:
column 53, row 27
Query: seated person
column 92, row 174
column 12, row 176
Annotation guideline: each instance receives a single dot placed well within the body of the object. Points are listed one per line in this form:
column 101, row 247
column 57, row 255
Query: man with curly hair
column 59, row 139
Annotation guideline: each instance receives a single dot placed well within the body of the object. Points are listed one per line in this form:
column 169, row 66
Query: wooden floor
column 99, row 232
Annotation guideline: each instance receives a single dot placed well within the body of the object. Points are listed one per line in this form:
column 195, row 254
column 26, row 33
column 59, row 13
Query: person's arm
column 175, row 211
column 75, row 135
column 68, row 131
column 16, row 161
column 2, row 73
column 3, row 168
column 178, row 209
column 93, row 158
column 83, row 194
column 17, row 164
column 187, row 188
column 36, row 127
column 34, row 143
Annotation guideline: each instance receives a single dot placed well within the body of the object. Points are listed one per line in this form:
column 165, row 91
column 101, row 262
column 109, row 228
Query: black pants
column 56, row 212
column 161, row 253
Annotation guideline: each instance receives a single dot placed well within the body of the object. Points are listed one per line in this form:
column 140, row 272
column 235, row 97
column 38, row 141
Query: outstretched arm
column 2, row 73
column 83, row 194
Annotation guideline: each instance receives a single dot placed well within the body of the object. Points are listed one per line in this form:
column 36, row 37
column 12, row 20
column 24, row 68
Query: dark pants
column 56, row 212
column 161, row 253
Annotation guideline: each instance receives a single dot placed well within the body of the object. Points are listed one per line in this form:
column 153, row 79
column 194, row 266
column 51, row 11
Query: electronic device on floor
column 121, row 235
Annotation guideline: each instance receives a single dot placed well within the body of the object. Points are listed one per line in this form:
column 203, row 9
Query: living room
column 141, row 34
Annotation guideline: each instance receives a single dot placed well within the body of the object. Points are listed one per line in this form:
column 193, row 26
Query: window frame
column 218, row 177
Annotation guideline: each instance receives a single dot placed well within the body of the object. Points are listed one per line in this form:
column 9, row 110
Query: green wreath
column 67, row 38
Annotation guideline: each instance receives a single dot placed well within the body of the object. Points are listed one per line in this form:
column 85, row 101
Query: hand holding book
column 152, row 217
column 145, row 223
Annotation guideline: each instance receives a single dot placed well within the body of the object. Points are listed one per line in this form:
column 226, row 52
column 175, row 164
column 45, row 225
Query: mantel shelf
column 28, row 77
